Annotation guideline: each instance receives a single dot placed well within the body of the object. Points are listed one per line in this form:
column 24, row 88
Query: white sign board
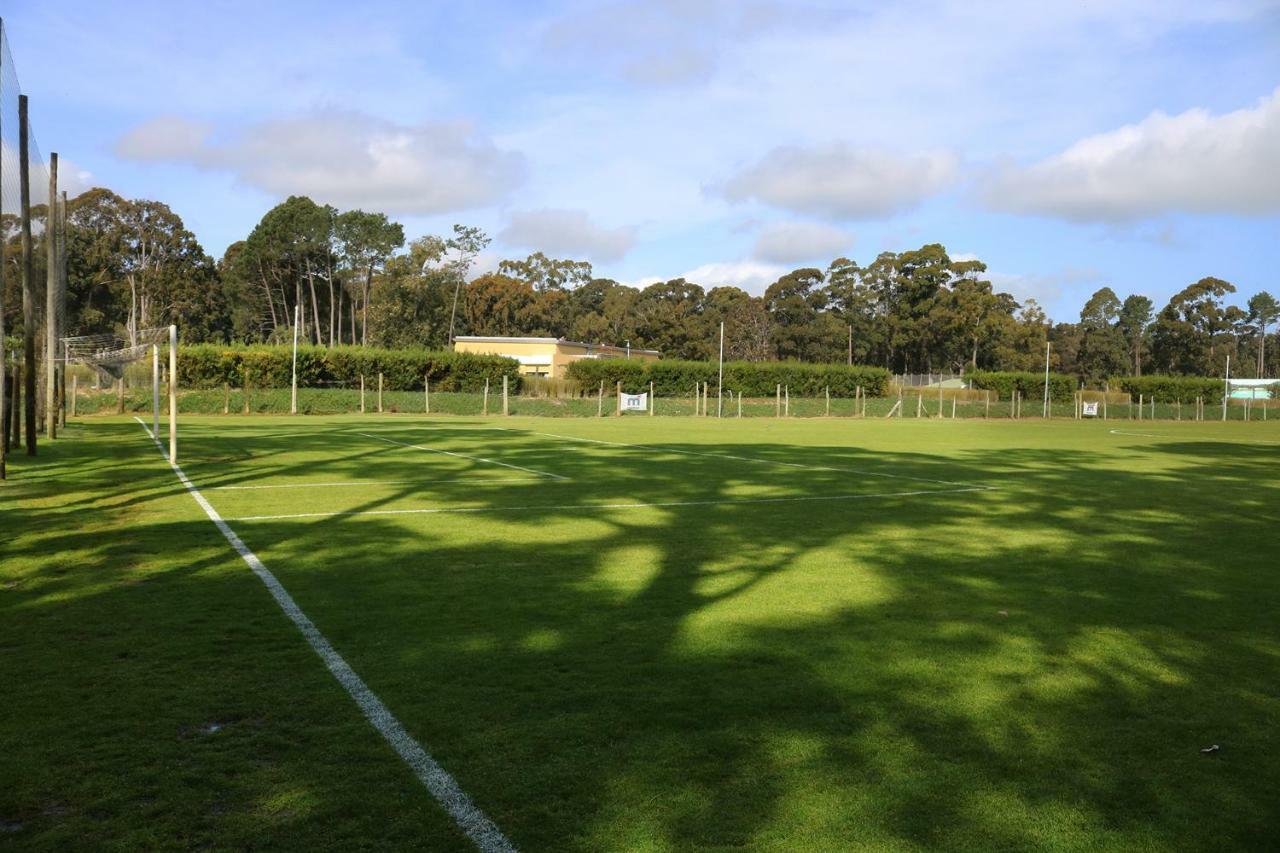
column 635, row 402
column 1091, row 409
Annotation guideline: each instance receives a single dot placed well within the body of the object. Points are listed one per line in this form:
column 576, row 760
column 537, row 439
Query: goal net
column 111, row 354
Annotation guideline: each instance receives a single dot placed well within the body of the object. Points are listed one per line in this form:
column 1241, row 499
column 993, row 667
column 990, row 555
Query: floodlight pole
column 173, row 395
column 1046, row 378
column 293, row 393
column 720, row 376
column 1226, row 388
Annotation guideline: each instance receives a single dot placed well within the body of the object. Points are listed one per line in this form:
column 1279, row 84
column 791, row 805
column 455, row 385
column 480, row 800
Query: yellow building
column 547, row 356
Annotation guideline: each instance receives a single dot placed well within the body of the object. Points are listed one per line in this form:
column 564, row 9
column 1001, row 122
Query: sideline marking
column 469, row 482
column 634, row 505
column 463, row 456
column 1203, row 438
column 665, row 449
column 466, row 814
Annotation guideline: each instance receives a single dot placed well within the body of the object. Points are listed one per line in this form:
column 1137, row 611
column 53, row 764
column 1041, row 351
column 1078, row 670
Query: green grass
column 1031, row 667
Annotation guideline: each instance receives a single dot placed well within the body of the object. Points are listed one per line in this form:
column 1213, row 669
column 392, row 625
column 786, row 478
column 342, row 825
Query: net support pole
column 75, row 393
column 173, row 394
column 155, row 390
column 720, row 376
column 51, row 303
column 28, row 282
column 426, row 395
column 651, row 401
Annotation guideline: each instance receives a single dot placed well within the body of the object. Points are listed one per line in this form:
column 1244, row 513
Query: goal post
column 111, row 355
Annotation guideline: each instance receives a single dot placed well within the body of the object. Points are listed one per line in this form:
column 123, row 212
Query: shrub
column 751, row 379
column 208, row 366
column 1170, row 388
column 1029, row 383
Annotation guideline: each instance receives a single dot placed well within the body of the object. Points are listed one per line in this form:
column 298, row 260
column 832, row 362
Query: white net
column 110, row 353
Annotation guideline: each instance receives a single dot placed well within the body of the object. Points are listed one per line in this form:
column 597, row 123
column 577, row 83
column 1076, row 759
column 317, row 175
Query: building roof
column 485, row 339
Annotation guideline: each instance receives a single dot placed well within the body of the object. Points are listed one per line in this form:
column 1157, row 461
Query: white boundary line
column 470, row 482
column 1205, row 438
column 463, row 456
column 633, row 505
column 664, row 449
column 466, row 814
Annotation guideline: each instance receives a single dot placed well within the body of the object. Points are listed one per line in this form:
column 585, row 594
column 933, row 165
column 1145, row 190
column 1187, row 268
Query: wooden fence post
column 380, row 391
column 619, row 391
column 739, row 404
column 778, row 403
column 226, row 398
column 426, row 394
column 119, row 396
column 953, row 408
column 485, row 408
column 786, row 401
column 652, row 400
column 362, row 393
column 986, row 396
column 600, row 401
column 245, row 383
column 505, row 411
column 74, row 394
column 828, row 389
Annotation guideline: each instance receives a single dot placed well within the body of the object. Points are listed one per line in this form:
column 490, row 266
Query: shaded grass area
column 1031, row 667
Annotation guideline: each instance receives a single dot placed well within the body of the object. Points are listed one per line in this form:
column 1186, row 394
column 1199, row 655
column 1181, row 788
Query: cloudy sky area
column 1128, row 143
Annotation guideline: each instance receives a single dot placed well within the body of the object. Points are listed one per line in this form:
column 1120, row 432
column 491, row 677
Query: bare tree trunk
column 315, row 306
column 353, row 319
column 364, row 317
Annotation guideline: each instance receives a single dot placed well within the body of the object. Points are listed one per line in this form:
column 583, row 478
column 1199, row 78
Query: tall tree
column 1264, row 310
column 1134, row 323
column 365, row 242
column 1103, row 349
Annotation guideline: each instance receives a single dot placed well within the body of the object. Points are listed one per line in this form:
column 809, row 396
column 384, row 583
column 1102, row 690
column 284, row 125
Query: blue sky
column 1069, row 146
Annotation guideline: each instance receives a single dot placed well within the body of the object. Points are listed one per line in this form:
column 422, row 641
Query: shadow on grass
column 1033, row 667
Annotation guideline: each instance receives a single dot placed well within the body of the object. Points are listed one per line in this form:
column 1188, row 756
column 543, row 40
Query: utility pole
column 51, row 303
column 28, row 282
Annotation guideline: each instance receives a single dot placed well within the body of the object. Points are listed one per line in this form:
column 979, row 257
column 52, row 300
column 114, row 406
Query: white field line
column 629, row 505
column 1206, row 438
column 466, row 814
column 664, row 449
column 474, row 481
column 464, row 456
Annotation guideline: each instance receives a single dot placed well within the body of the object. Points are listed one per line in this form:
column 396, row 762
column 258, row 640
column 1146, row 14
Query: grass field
column 648, row 634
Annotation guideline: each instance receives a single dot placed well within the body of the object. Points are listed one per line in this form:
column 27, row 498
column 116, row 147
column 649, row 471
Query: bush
column 209, row 366
column 1029, row 384
column 750, row 378
column 1169, row 389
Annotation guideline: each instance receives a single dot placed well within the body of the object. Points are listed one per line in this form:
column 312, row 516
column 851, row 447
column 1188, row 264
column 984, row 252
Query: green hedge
column 1170, row 388
column 1029, row 383
column 752, row 379
column 210, row 365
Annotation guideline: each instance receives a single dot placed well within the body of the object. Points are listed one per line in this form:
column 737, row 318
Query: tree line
column 350, row 277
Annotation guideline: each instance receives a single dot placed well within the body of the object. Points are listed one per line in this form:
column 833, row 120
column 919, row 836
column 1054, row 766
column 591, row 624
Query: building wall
column 546, row 357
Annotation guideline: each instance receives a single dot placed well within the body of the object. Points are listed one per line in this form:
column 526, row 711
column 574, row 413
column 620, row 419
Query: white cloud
column 1194, row 162
column 839, row 181
column 568, row 233
column 343, row 158
column 1048, row 289
column 796, row 242
column 751, row 276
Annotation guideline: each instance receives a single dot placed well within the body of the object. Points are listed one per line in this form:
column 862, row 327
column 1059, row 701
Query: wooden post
column 739, row 404
column 619, row 391
column 986, row 396
column 155, row 390
column 75, row 392
column 778, row 404
column 51, row 302
column 828, row 389
column 226, row 398
column 1106, row 392
column 652, row 401
column 939, row 395
column 600, row 401
column 484, row 409
column 786, row 401
column 119, row 395
column 362, row 393
column 486, row 390
column 864, row 402
column 1178, row 408
column 505, row 411
column 953, row 408
column 919, row 404
column 246, row 389
column 1141, row 403
column 426, row 394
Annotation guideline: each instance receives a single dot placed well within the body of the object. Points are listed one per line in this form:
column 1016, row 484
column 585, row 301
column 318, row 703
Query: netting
column 10, row 195
column 110, row 353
